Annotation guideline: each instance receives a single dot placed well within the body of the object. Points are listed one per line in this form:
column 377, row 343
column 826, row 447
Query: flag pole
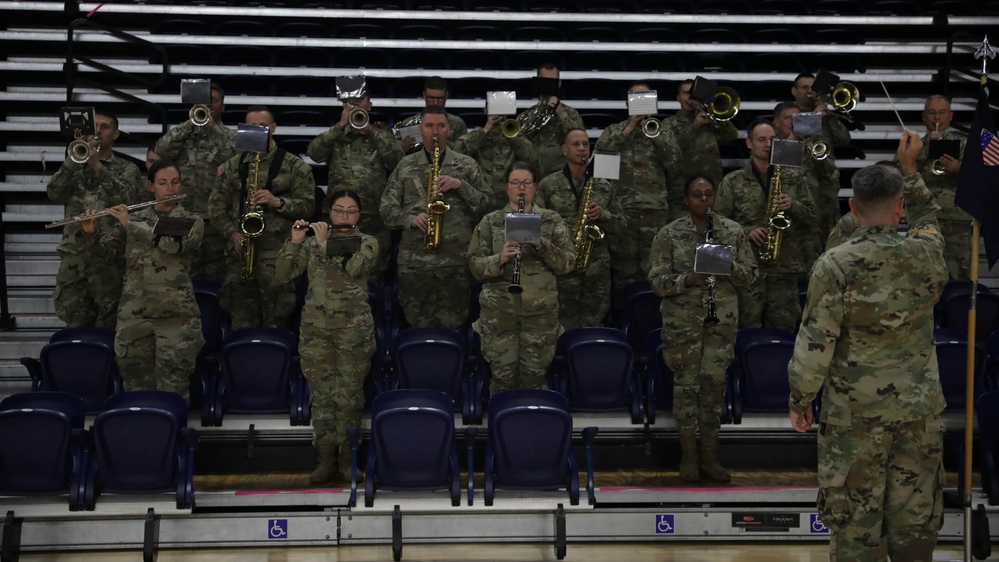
column 985, row 53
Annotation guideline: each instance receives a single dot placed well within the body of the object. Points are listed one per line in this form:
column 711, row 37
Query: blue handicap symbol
column 277, row 528
column 816, row 525
column 664, row 524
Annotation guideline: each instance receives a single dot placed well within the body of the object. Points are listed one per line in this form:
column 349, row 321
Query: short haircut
column 547, row 66
column 159, row 166
column 756, row 123
column 345, row 193
column 435, row 83
column 433, row 110
column 937, row 97
column 875, row 187
column 105, row 112
column 521, row 165
column 693, row 179
column 802, row 75
column 889, row 164
column 686, row 82
column 565, row 138
column 783, row 106
column 638, row 84
column 217, row 88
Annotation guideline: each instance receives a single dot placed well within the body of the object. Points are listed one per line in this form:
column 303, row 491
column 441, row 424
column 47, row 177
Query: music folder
column 523, row 228
column 173, row 226
column 77, row 119
column 713, row 259
column 786, row 152
column 501, row 103
column 643, row 103
column 939, row 147
column 196, row 90
column 339, row 246
column 252, row 138
column 806, row 124
column 824, row 82
column 351, row 88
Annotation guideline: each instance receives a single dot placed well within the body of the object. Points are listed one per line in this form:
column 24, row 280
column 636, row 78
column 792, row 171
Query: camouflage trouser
column 373, row 225
column 630, row 247
column 772, row 301
column 435, row 298
column 826, row 199
column 957, row 248
column 881, row 489
column 698, row 357
column 209, row 263
column 519, row 349
column 335, row 363
column 158, row 353
column 584, row 298
column 261, row 300
column 86, row 296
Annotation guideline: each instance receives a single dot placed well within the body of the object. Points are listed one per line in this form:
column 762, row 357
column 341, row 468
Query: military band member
column 158, row 333
column 519, row 330
column 434, row 283
column 772, row 300
column 285, row 194
column 700, row 318
column 494, row 152
column 435, row 95
column 199, row 152
column 86, row 295
column 584, row 296
column 337, row 331
column 548, row 139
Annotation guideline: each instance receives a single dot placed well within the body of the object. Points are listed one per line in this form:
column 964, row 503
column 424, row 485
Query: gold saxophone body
column 584, row 232
column 776, row 221
column 436, row 207
column 251, row 224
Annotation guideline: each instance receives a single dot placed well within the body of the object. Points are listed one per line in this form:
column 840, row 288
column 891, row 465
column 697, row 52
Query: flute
column 84, row 217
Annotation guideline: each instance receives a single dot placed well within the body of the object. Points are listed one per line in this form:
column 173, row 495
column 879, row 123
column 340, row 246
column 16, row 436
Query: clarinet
column 515, row 287
column 709, row 238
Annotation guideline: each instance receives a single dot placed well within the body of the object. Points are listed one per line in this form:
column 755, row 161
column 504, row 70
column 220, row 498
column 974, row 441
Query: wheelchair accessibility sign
column 664, row 524
column 816, row 525
column 277, row 529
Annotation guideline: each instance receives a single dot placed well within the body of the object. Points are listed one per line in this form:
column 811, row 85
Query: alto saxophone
column 436, row 207
column 776, row 222
column 584, row 233
column 251, row 224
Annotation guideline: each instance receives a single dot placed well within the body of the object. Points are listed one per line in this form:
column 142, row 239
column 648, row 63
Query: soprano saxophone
column 585, row 233
column 436, row 207
column 251, row 224
column 776, row 222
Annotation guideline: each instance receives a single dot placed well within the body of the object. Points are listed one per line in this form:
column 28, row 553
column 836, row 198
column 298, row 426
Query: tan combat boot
column 327, row 468
column 709, row 465
column 688, row 456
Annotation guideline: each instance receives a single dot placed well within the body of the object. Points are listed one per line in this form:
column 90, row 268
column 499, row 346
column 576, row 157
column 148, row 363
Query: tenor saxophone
column 436, row 207
column 251, row 224
column 776, row 222
column 584, row 232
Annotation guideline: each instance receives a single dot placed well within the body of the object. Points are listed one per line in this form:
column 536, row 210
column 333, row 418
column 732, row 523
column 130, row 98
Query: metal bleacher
column 285, row 55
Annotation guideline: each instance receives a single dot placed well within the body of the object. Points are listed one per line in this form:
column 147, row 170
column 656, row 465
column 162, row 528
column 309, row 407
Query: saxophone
column 776, row 222
column 584, row 233
column 436, row 207
column 251, row 224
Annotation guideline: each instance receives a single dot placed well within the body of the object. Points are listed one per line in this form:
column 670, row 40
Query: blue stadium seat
column 658, row 378
column 952, row 355
column 363, row 57
column 732, row 7
column 242, row 55
column 657, row 35
column 309, row 86
column 641, row 314
column 599, row 120
column 836, row 62
column 423, row 59
column 261, row 373
column 780, row 7
column 214, row 326
column 758, row 374
column 595, row 89
column 183, row 54
column 950, row 289
column 474, row 87
column 243, row 28
column 838, row 8
column 608, row 7
column 434, row 359
column 717, row 62
column 302, row 57
column 655, row 61
column 596, row 34
column 988, row 428
column 777, row 36
column 601, row 61
column 833, row 36
column 895, row 8
column 181, row 27
column 304, row 117
column 775, row 62
column 142, row 445
column 528, row 33
column 247, row 85
column 45, row 448
column 425, row 31
column 311, row 30
column 530, row 60
column 665, row 7
column 79, row 361
column 479, row 33
column 986, row 313
column 361, row 31
column 716, row 35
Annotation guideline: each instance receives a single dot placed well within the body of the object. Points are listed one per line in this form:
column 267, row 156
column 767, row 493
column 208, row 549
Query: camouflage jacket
column 293, row 183
column 79, row 188
column 157, row 281
column 538, row 267
column 699, row 153
column 548, row 139
column 494, row 153
column 458, row 129
column 645, row 165
column 867, row 328
column 943, row 187
column 834, row 129
column 742, row 199
column 672, row 258
column 359, row 162
column 338, row 285
column 558, row 193
column 198, row 153
column 405, row 197
column 843, row 230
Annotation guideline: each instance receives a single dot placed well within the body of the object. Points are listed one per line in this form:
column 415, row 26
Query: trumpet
column 81, row 150
column 358, row 118
column 651, row 127
column 200, row 115
column 937, row 168
column 88, row 216
column 509, row 127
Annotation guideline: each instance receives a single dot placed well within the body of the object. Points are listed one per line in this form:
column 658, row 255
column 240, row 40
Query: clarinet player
column 700, row 319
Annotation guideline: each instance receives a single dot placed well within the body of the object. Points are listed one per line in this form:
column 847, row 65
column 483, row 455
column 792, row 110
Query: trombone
column 86, row 216
column 200, row 115
column 723, row 107
column 843, row 99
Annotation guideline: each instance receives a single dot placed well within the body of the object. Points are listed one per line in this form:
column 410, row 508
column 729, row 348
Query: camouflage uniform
column 262, row 300
column 843, row 230
column 698, row 354
column 158, row 336
column 773, row 299
column 337, row 333
column 434, row 285
column 822, row 180
column 642, row 189
column 584, row 297
column 954, row 222
column 699, row 154
column 86, row 295
column 362, row 164
column 519, row 332
column 494, row 153
column 880, row 438
column 198, row 153
column 548, row 139
column 458, row 129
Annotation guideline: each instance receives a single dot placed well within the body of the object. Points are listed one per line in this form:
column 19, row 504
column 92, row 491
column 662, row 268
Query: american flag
column 990, row 149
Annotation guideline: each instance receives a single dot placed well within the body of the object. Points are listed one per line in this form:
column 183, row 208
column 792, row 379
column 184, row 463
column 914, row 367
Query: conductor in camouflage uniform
column 743, row 197
column 360, row 160
column 699, row 326
column 198, row 153
column 584, row 296
column 285, row 194
column 158, row 334
column 494, row 153
column 434, row 283
column 87, row 295
column 646, row 163
column 866, row 339
column 548, row 139
column 519, row 331
column 337, row 331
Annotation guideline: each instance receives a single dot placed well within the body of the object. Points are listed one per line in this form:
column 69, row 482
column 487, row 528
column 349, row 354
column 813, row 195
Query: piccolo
column 307, row 226
column 84, row 217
